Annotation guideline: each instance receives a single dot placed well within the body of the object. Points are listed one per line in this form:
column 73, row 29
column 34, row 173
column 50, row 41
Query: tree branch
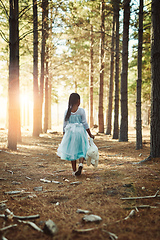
column 3, row 36
column 3, row 6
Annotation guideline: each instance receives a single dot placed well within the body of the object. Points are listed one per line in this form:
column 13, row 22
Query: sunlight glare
column 26, row 110
column 3, row 112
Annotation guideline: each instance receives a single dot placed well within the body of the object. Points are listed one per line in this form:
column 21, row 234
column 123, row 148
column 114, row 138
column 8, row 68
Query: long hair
column 73, row 99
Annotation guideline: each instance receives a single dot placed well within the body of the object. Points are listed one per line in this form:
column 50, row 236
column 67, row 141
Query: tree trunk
column 139, row 80
column 110, row 100
column 91, row 77
column 124, row 75
column 14, row 105
column 36, row 107
column 43, row 47
column 46, row 96
column 100, row 114
column 50, row 73
column 155, row 81
column 19, row 139
column 49, row 104
column 116, row 101
column 47, row 71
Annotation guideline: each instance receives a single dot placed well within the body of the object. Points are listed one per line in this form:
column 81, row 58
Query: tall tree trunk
column 14, row 105
column 19, row 139
column 46, row 96
column 139, row 80
column 124, row 75
column 47, row 72
column 36, row 107
column 43, row 48
column 155, row 81
column 49, row 104
column 116, row 100
column 110, row 100
column 50, row 74
column 91, row 77
column 102, row 56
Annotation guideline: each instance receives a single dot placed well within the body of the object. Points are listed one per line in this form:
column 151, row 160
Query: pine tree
column 14, row 110
column 155, row 66
column 100, row 113
column 36, row 98
column 124, row 75
column 110, row 100
column 43, row 53
column 116, row 101
column 91, row 77
column 139, row 80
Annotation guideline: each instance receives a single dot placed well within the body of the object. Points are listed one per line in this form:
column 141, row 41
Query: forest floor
column 99, row 190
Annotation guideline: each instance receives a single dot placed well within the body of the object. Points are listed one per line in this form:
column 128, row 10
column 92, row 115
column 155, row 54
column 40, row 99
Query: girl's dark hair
column 73, row 99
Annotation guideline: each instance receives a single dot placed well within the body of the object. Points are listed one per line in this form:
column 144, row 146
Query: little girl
column 75, row 143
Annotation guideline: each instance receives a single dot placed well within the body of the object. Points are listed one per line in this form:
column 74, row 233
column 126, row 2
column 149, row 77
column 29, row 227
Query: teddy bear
column 92, row 155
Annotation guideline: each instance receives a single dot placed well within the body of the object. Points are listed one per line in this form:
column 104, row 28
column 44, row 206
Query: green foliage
column 77, row 18
column 146, row 66
column 69, row 46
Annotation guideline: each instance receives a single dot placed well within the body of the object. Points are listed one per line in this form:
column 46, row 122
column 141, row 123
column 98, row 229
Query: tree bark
column 139, row 80
column 47, row 69
column 155, row 81
column 91, row 77
column 49, row 104
column 46, row 96
column 102, row 56
column 116, row 100
column 36, row 107
column 124, row 75
column 43, row 49
column 50, row 73
column 14, row 104
column 110, row 100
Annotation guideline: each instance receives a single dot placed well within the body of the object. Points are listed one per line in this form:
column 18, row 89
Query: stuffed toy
column 92, row 155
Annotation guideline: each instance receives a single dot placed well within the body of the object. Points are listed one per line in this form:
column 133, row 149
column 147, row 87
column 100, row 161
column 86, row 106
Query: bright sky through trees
column 63, row 68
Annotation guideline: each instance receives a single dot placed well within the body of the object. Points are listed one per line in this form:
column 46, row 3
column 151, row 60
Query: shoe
column 78, row 173
column 73, row 173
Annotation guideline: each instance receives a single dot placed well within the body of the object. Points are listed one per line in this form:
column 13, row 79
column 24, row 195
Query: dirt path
column 97, row 190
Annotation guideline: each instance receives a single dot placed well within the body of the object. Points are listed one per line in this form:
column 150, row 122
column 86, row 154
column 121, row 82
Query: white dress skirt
column 74, row 144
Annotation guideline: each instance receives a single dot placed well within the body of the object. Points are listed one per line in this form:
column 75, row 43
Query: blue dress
column 75, row 142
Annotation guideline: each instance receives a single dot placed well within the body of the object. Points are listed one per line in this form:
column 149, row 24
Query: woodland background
column 71, row 46
column 108, row 52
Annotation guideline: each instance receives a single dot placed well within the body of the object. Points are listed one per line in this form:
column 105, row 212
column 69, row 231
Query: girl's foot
column 73, row 173
column 78, row 173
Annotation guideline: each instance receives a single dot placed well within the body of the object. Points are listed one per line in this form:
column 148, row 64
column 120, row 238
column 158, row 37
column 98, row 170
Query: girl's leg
column 73, row 165
column 81, row 160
